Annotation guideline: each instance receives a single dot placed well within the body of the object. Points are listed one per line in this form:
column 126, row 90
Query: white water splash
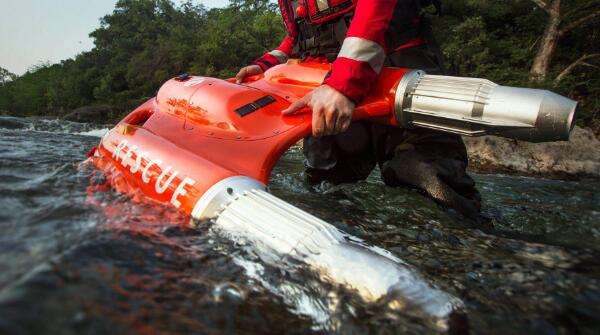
column 95, row 132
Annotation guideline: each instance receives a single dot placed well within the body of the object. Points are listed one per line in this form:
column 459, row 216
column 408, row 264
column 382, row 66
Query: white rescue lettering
column 138, row 161
column 124, row 156
column 181, row 191
column 118, row 149
column 127, row 158
column 161, row 189
column 145, row 177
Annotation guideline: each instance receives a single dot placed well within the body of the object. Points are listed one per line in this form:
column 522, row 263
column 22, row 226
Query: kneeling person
column 359, row 37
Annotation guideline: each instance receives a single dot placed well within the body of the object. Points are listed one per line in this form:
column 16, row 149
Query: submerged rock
column 9, row 122
column 579, row 157
column 91, row 114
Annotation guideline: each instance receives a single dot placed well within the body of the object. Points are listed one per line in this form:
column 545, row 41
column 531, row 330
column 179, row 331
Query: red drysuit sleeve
column 277, row 56
column 363, row 50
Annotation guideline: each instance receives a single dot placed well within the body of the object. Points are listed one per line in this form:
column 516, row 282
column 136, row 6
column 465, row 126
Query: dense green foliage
column 6, row 76
column 139, row 46
column 145, row 42
column 498, row 40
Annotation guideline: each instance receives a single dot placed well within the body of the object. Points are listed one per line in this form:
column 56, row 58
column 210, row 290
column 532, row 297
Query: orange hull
column 196, row 132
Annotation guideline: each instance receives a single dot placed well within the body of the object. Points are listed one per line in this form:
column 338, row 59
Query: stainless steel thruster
column 476, row 107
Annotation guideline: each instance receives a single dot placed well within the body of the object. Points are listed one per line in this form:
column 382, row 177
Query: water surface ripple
column 73, row 261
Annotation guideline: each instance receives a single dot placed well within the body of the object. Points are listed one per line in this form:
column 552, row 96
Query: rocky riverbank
column 94, row 114
column 579, row 157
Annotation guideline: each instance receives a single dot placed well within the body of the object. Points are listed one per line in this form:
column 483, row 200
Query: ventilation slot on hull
column 138, row 118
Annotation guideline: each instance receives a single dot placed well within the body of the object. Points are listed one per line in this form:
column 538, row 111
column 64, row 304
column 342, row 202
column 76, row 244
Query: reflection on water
column 73, row 263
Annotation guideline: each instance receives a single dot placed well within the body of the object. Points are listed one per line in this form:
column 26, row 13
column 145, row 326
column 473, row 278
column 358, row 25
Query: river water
column 76, row 258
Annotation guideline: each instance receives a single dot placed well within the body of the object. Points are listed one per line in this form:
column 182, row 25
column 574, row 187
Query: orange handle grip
column 371, row 110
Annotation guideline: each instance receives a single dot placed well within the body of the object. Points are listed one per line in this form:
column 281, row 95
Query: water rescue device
column 207, row 147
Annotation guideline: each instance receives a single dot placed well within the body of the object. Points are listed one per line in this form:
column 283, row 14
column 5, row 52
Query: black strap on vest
column 323, row 39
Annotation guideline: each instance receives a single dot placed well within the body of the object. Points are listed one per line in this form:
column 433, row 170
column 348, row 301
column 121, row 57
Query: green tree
column 562, row 19
column 6, row 93
column 6, row 76
column 234, row 36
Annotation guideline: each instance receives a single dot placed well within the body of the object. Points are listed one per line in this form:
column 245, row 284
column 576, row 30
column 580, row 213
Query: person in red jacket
column 360, row 37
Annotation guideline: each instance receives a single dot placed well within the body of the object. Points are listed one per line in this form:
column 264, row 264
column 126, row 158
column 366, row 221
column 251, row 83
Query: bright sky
column 34, row 31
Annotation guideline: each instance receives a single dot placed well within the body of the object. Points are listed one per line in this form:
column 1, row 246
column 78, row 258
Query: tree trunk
column 543, row 58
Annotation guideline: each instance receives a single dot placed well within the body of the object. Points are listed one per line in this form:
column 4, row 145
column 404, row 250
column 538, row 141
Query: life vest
column 319, row 11
column 320, row 26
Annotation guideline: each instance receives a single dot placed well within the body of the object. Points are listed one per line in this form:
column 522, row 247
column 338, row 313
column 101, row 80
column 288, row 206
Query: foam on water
column 95, row 132
column 78, row 261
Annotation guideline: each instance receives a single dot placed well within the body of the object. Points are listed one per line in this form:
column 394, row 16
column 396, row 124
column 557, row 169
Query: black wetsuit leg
column 431, row 161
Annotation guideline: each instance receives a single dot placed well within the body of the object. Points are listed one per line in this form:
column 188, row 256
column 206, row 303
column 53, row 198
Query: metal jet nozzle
column 476, row 107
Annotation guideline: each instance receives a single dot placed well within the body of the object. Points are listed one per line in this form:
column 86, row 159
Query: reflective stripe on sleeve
column 280, row 55
column 361, row 49
column 322, row 4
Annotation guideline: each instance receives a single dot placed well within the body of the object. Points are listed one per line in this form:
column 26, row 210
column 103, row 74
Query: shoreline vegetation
column 549, row 44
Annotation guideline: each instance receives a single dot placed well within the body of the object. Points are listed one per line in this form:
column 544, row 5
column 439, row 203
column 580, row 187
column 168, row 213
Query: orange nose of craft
column 199, row 131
